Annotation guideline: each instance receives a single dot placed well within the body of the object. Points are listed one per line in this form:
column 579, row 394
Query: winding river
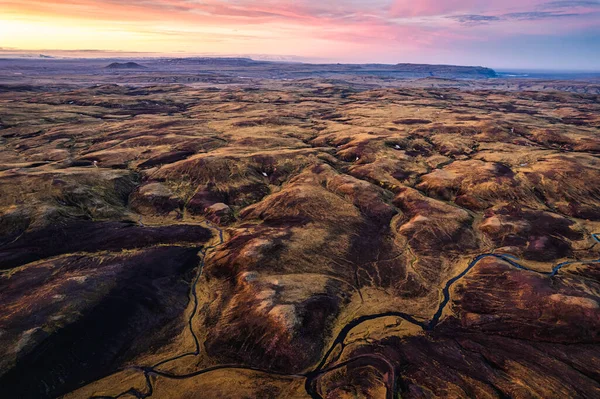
column 310, row 382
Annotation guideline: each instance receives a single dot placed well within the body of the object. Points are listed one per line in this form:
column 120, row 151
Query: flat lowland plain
column 313, row 240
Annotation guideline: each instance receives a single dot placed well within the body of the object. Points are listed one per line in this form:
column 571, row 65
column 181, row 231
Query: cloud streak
column 475, row 19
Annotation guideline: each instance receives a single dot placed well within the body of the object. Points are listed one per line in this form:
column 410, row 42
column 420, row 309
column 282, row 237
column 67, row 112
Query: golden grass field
column 308, row 241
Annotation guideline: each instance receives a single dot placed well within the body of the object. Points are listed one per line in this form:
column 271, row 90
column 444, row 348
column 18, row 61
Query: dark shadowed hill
column 125, row 65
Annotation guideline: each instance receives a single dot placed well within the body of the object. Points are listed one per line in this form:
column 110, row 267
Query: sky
column 554, row 35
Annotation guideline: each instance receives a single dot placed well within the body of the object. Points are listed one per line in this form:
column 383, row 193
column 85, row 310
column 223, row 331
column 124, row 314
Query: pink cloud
column 326, row 26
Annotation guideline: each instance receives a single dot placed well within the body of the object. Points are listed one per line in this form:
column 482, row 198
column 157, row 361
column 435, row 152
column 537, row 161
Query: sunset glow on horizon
column 501, row 34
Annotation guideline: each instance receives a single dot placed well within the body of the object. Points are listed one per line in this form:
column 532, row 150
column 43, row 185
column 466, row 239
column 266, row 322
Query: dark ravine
column 148, row 370
column 126, row 288
column 310, row 377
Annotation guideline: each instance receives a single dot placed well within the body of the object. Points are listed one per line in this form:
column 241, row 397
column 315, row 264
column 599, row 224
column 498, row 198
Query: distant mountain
column 125, row 65
column 236, row 70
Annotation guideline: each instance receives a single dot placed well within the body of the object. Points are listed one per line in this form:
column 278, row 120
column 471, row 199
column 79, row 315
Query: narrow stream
column 310, row 383
column 196, row 352
column 431, row 324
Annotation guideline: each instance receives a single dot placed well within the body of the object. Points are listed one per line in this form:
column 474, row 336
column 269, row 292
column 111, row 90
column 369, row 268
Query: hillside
column 311, row 241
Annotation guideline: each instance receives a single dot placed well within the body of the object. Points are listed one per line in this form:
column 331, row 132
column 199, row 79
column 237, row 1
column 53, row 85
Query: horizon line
column 275, row 58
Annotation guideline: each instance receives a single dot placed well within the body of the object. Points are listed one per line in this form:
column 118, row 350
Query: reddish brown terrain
column 310, row 240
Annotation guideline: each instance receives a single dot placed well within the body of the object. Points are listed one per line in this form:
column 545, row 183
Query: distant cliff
column 447, row 70
column 260, row 69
